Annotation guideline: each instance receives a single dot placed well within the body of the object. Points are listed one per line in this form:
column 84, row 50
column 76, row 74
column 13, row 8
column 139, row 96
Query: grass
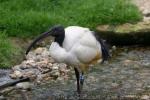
column 8, row 52
column 28, row 18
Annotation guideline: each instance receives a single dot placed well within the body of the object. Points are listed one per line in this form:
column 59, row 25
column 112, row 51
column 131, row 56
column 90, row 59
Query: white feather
column 57, row 52
column 79, row 46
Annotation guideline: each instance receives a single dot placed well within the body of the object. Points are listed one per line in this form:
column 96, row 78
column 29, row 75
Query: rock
column 45, row 71
column 49, row 65
column 127, row 62
column 39, row 66
column 43, row 63
column 146, row 12
column 145, row 97
column 39, row 50
column 16, row 74
column 62, row 67
column 132, row 97
column 24, row 85
column 55, row 74
column 31, row 74
column 2, row 97
column 51, row 60
column 13, row 76
column 126, row 34
column 55, row 66
column 114, row 48
column 6, row 90
column 42, row 77
column 45, row 53
column 17, row 67
column 114, row 85
column 92, row 79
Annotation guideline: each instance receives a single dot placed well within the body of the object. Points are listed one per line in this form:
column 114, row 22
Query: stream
column 125, row 76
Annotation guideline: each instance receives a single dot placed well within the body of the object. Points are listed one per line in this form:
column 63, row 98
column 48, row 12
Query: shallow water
column 125, row 76
column 4, row 76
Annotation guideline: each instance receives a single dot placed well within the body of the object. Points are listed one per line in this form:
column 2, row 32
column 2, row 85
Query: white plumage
column 79, row 48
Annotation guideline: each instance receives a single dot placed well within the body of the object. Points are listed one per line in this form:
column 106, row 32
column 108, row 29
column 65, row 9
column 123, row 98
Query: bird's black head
column 57, row 32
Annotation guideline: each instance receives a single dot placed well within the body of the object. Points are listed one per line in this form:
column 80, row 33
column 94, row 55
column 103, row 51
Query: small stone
column 45, row 53
column 55, row 74
column 63, row 67
column 6, row 90
column 145, row 97
column 130, row 97
column 114, row 48
column 39, row 50
column 127, row 62
column 17, row 67
column 28, row 62
column 51, row 60
column 49, row 65
column 146, row 12
column 60, row 79
column 41, row 77
column 2, row 97
column 23, row 67
column 16, row 74
column 115, row 85
column 24, row 85
column 42, row 64
column 45, row 71
column 30, row 74
column 55, row 66
column 92, row 79
column 13, row 76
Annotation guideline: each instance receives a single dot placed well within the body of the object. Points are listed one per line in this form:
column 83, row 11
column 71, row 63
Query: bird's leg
column 77, row 77
column 81, row 80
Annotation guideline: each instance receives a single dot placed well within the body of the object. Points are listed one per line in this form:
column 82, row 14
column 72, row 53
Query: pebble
column 55, row 67
column 39, row 66
column 132, row 97
column 114, row 85
column 18, row 74
column 55, row 74
column 114, row 48
column 6, row 90
column 39, row 50
column 24, row 85
column 2, row 97
column 145, row 97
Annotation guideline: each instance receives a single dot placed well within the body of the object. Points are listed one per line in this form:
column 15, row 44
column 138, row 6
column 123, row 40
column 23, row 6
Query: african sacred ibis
column 76, row 46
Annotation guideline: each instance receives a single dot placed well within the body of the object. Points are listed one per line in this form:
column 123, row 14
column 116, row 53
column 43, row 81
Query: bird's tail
column 104, row 47
column 105, row 50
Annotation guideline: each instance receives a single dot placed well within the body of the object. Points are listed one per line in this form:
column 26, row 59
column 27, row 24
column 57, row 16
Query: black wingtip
column 104, row 47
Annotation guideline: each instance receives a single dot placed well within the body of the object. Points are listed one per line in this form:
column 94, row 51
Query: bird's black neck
column 59, row 39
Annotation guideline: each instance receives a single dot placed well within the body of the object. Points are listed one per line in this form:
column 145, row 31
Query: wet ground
column 125, row 76
column 4, row 76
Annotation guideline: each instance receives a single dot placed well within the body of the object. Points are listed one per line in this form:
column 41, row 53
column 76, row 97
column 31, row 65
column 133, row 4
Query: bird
column 76, row 46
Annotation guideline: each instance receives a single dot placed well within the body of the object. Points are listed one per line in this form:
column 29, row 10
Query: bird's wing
column 87, row 49
column 73, row 34
column 57, row 52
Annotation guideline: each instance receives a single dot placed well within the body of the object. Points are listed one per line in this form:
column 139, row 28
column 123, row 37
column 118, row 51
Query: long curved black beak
column 40, row 37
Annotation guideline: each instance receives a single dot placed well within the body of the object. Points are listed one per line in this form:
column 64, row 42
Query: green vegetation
column 27, row 18
column 8, row 52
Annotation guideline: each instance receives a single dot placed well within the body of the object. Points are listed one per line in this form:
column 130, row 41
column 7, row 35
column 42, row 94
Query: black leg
column 81, row 81
column 77, row 77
